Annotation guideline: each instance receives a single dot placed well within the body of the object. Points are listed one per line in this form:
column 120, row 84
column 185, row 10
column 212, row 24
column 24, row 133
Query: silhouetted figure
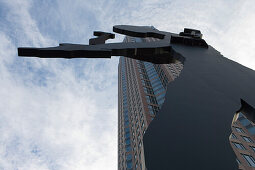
column 191, row 131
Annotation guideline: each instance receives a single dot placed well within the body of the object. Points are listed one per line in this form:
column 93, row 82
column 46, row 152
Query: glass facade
column 249, row 159
column 142, row 89
column 239, row 145
column 242, row 141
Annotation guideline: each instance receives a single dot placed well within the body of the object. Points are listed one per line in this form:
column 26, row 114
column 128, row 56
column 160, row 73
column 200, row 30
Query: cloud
column 20, row 24
column 62, row 114
column 237, row 41
column 53, row 115
column 226, row 25
column 65, row 124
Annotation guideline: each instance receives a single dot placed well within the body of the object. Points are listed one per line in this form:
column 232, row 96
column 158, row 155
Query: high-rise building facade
column 141, row 91
column 242, row 138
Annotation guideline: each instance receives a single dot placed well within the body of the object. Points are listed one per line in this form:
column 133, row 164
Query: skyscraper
column 242, row 138
column 141, row 91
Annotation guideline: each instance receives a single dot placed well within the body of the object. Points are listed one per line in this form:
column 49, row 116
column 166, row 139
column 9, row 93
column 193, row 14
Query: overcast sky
column 58, row 114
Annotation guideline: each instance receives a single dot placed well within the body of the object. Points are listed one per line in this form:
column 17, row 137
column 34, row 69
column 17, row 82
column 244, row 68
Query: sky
column 62, row 114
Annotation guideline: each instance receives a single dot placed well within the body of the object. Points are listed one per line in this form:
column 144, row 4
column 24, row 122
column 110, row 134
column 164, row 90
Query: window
column 161, row 101
column 151, row 99
column 126, row 118
column 161, row 96
column 249, row 159
column 240, row 115
column 129, row 157
column 128, row 148
column 127, row 141
column 129, row 164
column 244, row 122
column 126, row 123
column 153, row 82
column 251, row 129
column 239, row 145
column 238, row 161
column 137, row 130
column 153, row 109
column 140, row 144
column 134, row 147
column 153, row 76
column 158, row 87
column 148, row 90
column 233, row 136
column 151, row 72
column 127, row 134
column 151, row 112
column 247, row 139
column 239, row 130
column 253, row 148
column 159, row 92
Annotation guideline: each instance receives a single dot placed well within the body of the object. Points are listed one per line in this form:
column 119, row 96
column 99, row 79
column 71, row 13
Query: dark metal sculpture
column 102, row 37
column 156, row 52
column 192, row 128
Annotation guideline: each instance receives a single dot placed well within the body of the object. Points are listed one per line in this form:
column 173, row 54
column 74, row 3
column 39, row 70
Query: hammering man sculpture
column 192, row 129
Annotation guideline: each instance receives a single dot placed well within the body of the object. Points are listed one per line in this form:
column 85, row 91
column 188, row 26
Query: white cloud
column 238, row 42
column 23, row 25
column 226, row 25
column 62, row 123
